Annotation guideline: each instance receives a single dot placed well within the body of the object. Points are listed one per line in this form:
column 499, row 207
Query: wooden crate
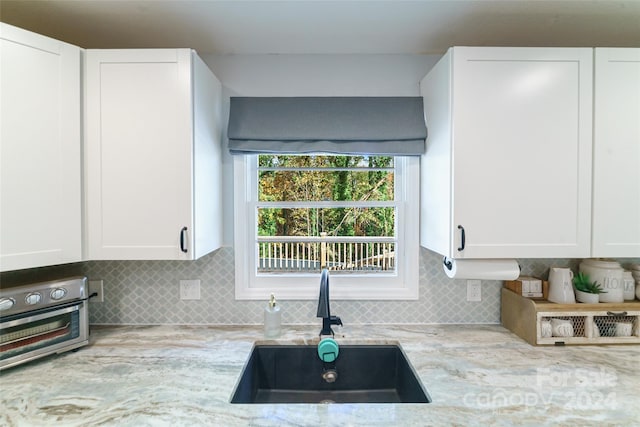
column 592, row 323
column 516, row 286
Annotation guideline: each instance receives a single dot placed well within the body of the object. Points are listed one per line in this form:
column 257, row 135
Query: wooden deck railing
column 310, row 254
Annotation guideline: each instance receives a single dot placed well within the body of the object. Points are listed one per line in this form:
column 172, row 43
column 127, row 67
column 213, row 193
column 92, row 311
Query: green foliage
column 584, row 284
column 300, row 178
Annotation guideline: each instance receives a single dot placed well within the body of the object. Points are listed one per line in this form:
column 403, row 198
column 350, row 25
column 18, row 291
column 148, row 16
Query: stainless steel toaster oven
column 40, row 319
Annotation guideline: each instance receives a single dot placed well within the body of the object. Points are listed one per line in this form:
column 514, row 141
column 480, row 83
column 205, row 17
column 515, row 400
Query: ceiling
column 328, row 27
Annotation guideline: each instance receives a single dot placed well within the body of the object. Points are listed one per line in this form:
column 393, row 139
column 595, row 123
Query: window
column 355, row 215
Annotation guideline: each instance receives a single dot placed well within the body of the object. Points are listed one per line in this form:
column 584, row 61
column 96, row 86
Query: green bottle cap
column 328, row 350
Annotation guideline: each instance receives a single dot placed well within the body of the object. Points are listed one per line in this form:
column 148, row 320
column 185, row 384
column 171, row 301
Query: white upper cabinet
column 153, row 155
column 616, row 162
column 40, row 151
column 507, row 170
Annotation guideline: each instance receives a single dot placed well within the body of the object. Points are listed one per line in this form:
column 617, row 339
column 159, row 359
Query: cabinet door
column 616, row 162
column 522, row 134
column 40, row 182
column 138, row 153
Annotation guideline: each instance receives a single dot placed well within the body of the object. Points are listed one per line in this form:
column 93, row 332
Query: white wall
column 311, row 75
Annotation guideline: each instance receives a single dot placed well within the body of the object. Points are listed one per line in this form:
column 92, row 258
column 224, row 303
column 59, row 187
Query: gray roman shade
column 339, row 125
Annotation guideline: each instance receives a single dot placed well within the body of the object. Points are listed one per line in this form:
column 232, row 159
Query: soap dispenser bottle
column 272, row 319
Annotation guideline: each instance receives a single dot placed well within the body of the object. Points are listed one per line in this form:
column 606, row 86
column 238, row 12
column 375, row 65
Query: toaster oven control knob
column 6, row 303
column 58, row 293
column 33, row 298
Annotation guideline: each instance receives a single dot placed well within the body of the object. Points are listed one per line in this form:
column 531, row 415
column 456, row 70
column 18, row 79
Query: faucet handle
column 326, row 325
column 335, row 320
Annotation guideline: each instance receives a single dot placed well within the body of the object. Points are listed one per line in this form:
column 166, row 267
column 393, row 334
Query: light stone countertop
column 185, row 375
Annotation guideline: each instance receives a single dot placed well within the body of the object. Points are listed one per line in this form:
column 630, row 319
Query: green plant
column 584, row 284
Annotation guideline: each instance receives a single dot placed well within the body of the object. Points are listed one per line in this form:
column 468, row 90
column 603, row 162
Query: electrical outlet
column 190, row 289
column 474, row 290
column 96, row 286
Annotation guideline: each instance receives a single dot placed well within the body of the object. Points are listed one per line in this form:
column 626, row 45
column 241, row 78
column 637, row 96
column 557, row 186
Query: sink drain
column 330, row 375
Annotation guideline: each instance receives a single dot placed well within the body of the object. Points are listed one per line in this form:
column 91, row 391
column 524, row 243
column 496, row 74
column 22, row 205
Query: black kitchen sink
column 294, row 374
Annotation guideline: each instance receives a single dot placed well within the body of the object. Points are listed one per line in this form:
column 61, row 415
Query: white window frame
column 400, row 285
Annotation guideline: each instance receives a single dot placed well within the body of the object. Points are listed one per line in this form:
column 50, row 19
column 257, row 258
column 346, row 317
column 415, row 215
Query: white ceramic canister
column 629, row 286
column 635, row 272
column 608, row 274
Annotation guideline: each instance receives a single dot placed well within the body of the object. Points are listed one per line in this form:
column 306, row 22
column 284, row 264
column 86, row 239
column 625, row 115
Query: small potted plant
column 586, row 290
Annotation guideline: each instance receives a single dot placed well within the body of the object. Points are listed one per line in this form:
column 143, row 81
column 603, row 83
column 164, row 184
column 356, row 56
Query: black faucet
column 323, row 306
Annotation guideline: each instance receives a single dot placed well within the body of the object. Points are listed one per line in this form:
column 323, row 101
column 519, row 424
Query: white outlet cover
column 190, row 289
column 96, row 286
column 474, row 290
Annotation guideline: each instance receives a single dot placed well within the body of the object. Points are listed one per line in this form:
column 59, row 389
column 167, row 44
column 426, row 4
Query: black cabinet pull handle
column 462, row 241
column 183, row 234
